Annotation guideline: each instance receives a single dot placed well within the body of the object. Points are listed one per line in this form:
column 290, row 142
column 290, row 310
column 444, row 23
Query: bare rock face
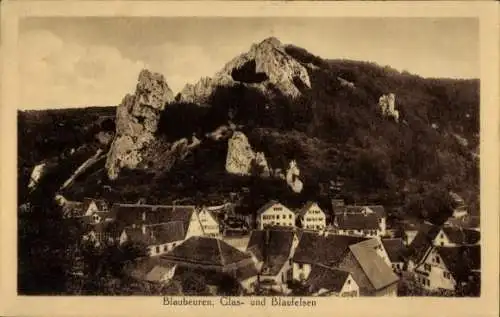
column 387, row 106
column 292, row 177
column 36, row 175
column 265, row 63
column 136, row 122
column 241, row 158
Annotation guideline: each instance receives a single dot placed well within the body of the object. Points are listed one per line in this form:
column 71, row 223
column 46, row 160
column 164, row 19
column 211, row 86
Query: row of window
column 158, row 248
column 436, row 260
column 277, row 223
column 267, row 217
column 314, row 227
column 427, row 267
column 447, row 275
column 314, row 219
column 315, row 211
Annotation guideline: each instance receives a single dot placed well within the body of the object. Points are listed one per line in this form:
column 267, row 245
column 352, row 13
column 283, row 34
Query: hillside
column 292, row 105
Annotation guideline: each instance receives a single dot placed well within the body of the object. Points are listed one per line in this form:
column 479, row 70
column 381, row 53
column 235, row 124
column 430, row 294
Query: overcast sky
column 71, row 62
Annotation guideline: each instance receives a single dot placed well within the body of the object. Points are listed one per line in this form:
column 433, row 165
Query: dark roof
column 73, row 209
column 462, row 236
column 394, row 248
column 462, row 258
column 157, row 234
column 422, row 241
column 322, row 277
column 307, row 206
column 272, row 247
column 137, row 214
column 267, row 206
column 206, row 251
column 318, row 249
column 245, row 271
column 379, row 273
column 357, row 221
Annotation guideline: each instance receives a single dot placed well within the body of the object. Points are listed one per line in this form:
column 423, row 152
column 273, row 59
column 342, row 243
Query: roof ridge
column 222, row 260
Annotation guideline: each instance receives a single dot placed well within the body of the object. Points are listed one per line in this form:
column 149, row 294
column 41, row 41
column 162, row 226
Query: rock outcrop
column 292, row 177
column 242, row 160
column 266, row 63
column 136, row 122
column 36, row 175
column 387, row 106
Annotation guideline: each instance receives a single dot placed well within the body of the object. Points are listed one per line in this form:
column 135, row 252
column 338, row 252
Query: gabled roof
column 205, row 251
column 208, row 212
column 245, row 272
column 305, row 209
column 322, row 277
column 318, row 249
column 462, row 236
column 273, row 247
column 394, row 248
column 266, row 206
column 375, row 268
column 157, row 234
column 357, row 221
column 132, row 214
column 423, row 241
column 461, row 259
column 101, row 204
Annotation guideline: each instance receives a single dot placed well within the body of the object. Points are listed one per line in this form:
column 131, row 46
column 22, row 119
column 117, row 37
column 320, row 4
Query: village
column 347, row 251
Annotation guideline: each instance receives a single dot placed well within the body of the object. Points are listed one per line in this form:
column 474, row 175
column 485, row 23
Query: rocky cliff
column 266, row 64
column 137, row 120
column 241, row 159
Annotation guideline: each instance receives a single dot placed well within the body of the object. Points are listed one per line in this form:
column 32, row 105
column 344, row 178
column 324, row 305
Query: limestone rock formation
column 265, row 63
column 387, row 106
column 241, row 159
column 36, row 175
column 136, row 122
column 292, row 177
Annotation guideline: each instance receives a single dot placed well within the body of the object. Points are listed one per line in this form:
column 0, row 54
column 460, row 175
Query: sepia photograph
column 250, row 160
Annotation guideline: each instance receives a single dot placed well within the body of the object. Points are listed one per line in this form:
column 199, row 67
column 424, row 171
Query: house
column 373, row 275
column 273, row 251
column 208, row 253
column 312, row 217
column 377, row 210
column 364, row 258
column 453, row 236
column 423, row 241
column 275, row 214
column 468, row 222
column 316, row 249
column 158, row 238
column 444, row 267
column 358, row 224
column 136, row 215
column 151, row 270
column 395, row 249
column 326, row 281
column 209, row 223
column 93, row 205
column 101, row 234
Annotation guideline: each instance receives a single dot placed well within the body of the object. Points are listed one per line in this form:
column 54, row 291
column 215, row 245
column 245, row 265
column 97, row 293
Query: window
column 157, row 249
column 290, row 216
column 348, row 281
column 277, row 216
column 165, row 248
column 428, row 282
column 427, row 267
column 301, row 266
column 442, row 243
column 447, row 275
column 437, row 260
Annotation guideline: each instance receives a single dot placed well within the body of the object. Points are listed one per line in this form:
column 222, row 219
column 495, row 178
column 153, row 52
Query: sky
column 75, row 62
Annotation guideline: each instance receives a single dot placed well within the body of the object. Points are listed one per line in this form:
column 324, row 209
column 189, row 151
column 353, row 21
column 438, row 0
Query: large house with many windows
column 312, row 217
column 275, row 214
